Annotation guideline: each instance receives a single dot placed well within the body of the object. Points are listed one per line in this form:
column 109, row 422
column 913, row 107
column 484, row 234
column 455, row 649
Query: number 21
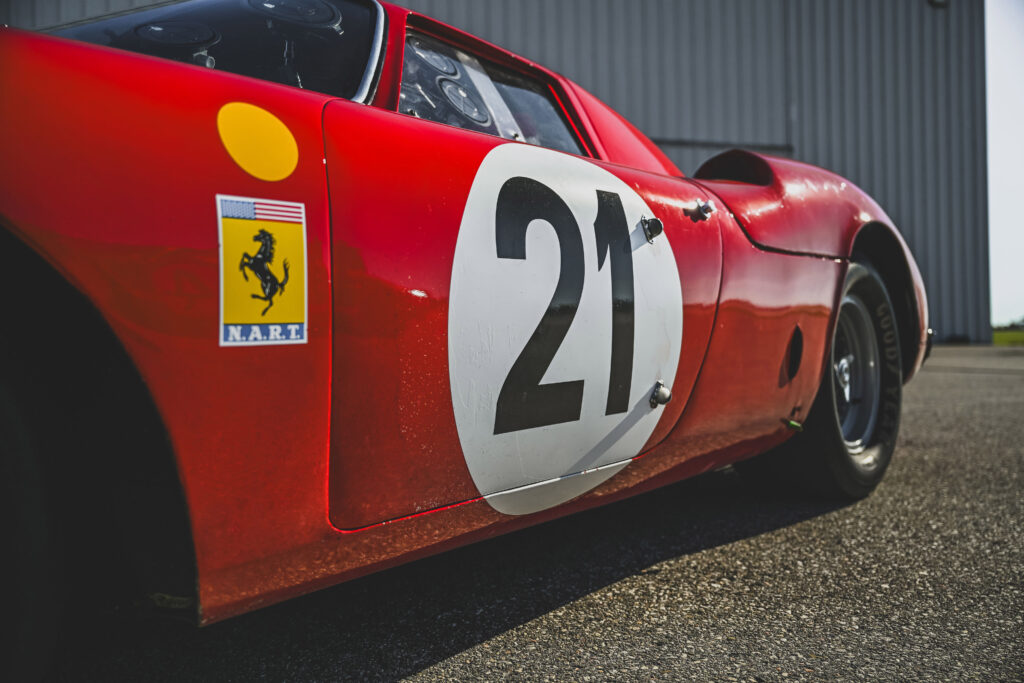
column 523, row 402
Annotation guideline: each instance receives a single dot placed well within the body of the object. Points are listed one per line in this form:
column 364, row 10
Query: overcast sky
column 1004, row 54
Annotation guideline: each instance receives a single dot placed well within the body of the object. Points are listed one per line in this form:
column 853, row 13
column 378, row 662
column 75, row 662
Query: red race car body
column 370, row 336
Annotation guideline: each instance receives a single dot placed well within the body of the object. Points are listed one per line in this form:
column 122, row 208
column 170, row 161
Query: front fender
column 111, row 167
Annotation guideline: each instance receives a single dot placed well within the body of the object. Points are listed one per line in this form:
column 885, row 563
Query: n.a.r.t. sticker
column 262, row 271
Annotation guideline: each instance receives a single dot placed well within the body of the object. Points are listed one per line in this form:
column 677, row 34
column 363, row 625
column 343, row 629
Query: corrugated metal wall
column 889, row 93
column 697, row 76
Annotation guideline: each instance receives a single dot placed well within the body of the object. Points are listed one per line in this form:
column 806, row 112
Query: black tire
column 850, row 434
column 32, row 591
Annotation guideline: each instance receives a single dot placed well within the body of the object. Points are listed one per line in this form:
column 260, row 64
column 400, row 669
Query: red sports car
column 301, row 289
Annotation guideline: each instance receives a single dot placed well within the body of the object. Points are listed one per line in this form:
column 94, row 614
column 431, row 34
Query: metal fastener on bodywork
column 705, row 208
column 652, row 228
column 661, row 394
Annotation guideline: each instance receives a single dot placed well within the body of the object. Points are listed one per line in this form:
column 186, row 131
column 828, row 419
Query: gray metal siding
column 892, row 96
column 666, row 65
column 889, row 93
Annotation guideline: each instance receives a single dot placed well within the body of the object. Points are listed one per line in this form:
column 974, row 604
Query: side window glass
column 540, row 121
column 444, row 84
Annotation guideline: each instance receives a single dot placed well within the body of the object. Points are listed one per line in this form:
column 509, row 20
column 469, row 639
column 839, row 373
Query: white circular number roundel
column 562, row 318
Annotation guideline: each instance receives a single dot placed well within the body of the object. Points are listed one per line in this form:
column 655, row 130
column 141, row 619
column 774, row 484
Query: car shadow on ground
column 399, row 622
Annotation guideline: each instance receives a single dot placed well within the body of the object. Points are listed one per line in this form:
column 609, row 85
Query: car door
column 505, row 307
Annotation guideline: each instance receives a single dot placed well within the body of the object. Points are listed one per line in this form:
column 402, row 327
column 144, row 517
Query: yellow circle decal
column 258, row 141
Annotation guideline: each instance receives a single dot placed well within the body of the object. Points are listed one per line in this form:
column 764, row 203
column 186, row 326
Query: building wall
column 889, row 93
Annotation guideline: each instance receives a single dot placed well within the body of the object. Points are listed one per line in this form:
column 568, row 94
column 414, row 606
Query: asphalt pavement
column 709, row 579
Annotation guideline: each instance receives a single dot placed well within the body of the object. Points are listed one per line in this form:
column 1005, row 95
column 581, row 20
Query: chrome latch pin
column 652, row 228
column 661, row 394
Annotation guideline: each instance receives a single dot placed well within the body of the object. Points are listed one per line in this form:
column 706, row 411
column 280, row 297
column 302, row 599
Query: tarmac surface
column 705, row 580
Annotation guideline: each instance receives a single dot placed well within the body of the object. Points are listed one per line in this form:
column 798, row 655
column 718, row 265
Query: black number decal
column 612, row 233
column 523, row 402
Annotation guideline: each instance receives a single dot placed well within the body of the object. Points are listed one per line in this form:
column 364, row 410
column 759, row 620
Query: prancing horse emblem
column 260, row 267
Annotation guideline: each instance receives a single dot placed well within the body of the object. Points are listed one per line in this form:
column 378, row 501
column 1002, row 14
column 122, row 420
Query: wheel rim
column 856, row 379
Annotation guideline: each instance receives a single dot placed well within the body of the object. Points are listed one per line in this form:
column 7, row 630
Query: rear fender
column 790, row 206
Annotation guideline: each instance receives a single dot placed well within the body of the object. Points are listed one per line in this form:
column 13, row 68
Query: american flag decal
column 263, row 210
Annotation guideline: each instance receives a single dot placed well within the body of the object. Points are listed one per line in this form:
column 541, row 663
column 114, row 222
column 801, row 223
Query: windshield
column 331, row 46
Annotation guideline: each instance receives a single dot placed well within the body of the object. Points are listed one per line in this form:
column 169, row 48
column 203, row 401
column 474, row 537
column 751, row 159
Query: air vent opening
column 739, row 166
column 795, row 353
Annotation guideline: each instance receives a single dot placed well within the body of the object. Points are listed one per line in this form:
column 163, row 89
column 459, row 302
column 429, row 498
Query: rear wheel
column 850, row 434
